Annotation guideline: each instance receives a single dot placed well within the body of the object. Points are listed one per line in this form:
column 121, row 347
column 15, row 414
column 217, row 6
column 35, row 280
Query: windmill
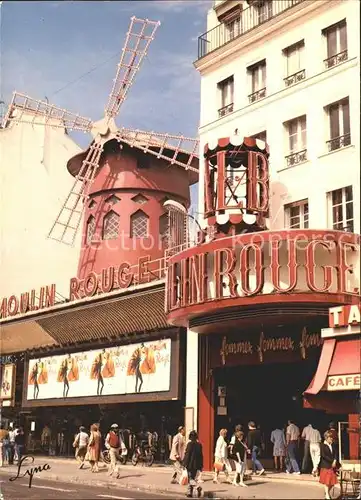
column 175, row 149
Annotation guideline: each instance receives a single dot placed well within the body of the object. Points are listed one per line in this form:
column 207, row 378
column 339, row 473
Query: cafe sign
column 264, row 344
column 344, row 382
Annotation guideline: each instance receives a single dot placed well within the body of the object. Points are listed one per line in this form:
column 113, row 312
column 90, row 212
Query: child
column 193, row 462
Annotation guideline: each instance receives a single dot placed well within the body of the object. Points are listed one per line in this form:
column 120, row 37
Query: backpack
column 114, row 440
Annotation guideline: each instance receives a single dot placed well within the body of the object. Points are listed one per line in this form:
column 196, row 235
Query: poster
column 128, row 369
column 7, row 381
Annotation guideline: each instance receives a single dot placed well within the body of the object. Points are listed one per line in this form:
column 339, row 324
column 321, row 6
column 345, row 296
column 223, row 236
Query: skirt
column 328, row 477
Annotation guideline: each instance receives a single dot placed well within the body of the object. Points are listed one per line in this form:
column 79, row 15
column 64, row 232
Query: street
column 49, row 490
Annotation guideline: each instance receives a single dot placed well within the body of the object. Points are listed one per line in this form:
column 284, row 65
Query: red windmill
column 124, row 177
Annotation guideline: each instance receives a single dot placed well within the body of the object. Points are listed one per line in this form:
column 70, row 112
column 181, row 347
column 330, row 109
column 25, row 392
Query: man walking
column 312, row 439
column 177, row 452
column 292, row 439
column 114, row 443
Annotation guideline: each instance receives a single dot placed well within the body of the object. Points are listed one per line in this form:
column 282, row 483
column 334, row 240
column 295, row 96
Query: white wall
column 34, row 182
column 323, row 171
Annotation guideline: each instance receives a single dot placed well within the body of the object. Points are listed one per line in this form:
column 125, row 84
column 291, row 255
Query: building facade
column 285, row 74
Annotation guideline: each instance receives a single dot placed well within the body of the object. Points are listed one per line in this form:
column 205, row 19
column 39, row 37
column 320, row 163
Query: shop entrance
column 268, row 394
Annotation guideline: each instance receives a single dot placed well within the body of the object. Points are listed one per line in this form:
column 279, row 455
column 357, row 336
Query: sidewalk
column 157, row 479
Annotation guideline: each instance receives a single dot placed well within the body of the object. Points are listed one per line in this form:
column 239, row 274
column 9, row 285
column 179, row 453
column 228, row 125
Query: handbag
column 218, row 466
column 87, row 456
column 183, row 481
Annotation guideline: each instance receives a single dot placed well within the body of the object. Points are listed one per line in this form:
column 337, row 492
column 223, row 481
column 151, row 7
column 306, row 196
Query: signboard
column 345, row 316
column 344, row 382
column 7, row 388
column 128, row 369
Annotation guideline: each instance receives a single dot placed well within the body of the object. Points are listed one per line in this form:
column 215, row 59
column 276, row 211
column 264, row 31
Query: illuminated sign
column 28, row 301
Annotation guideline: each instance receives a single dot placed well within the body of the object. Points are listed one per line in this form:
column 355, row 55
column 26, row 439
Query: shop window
column 110, row 226
column 139, row 225
column 90, row 229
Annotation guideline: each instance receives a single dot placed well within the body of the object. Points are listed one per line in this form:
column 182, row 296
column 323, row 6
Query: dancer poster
column 130, row 369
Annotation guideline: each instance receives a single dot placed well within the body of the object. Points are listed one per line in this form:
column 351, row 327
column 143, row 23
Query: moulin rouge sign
column 240, row 258
column 111, row 278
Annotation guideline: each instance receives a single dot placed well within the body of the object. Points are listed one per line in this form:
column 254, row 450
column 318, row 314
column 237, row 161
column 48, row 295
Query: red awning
column 338, row 357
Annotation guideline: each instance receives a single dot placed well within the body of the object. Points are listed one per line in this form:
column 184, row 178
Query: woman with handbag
column 221, row 462
column 328, row 464
column 94, row 448
column 238, row 455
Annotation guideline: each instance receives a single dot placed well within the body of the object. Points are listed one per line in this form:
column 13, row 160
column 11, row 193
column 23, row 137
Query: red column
column 206, row 421
column 354, row 433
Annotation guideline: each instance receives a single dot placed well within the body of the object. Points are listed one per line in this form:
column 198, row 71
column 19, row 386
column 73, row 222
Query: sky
column 47, row 46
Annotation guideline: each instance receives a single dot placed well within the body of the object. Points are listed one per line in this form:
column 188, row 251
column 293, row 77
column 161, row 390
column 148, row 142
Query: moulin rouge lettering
column 270, row 344
column 188, row 278
column 25, row 461
column 28, row 301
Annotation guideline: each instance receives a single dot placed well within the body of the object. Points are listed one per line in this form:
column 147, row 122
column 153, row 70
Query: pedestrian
column 12, row 434
column 328, row 464
column 254, row 443
column 237, row 428
column 292, row 440
column 94, row 447
column 312, row 439
column 193, row 463
column 221, row 462
column 80, row 444
column 20, row 443
column 334, row 434
column 279, row 448
column 4, row 436
column 238, row 456
column 114, row 444
column 177, row 453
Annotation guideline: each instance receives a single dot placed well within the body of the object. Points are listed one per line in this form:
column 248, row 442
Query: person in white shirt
column 292, row 439
column 177, row 453
column 312, row 439
column 80, row 444
column 221, row 463
column 114, row 444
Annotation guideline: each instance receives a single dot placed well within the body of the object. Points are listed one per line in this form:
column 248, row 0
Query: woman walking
column 328, row 464
column 279, row 448
column 221, row 462
column 94, row 447
column 254, row 442
column 238, row 455
column 193, row 462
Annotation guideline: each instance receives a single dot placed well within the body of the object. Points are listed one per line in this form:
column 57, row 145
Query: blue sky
column 47, row 45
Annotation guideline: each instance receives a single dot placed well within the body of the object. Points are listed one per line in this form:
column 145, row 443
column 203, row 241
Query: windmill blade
column 140, row 35
column 24, row 109
column 67, row 223
column 176, row 149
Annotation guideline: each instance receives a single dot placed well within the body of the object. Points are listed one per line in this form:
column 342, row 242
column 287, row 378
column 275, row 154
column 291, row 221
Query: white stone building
column 34, row 182
column 288, row 72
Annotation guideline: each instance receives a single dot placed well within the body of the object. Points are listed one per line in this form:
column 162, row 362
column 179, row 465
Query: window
column 296, row 138
column 226, row 93
column 264, row 11
column 257, row 74
column 90, row 229
column 294, row 63
column 232, row 23
column 92, row 205
column 140, row 199
column 336, row 40
column 163, row 226
column 297, row 215
column 112, row 199
column 341, row 208
column 139, row 223
column 339, row 118
column 110, row 226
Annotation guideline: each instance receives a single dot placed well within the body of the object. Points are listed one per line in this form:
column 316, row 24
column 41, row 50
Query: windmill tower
column 123, row 178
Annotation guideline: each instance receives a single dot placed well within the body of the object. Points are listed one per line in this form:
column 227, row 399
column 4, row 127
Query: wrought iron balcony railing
column 339, row 142
column 336, row 59
column 295, row 78
column 256, row 96
column 296, row 158
column 225, row 110
column 249, row 19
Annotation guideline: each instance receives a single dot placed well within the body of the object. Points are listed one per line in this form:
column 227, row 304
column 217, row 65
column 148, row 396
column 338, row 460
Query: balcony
column 296, row 158
column 339, row 142
column 295, row 78
column 250, row 18
column 336, row 59
column 225, row 110
column 256, row 96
